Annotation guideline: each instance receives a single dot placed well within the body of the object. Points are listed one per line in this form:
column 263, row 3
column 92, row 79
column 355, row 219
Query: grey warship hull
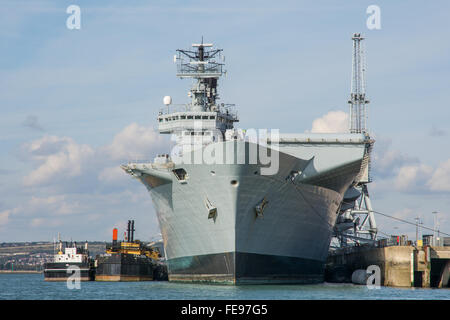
column 235, row 217
column 287, row 243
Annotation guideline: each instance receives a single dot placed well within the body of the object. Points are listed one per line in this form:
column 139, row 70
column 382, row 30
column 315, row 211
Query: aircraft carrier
column 244, row 206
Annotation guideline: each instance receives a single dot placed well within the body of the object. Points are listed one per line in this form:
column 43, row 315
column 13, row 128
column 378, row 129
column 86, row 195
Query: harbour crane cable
column 404, row 221
column 409, row 222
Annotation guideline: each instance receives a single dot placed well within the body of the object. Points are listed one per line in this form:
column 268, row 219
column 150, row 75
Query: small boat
column 74, row 262
column 129, row 260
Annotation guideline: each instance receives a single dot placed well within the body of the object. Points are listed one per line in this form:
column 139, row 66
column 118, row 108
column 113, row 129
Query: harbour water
column 33, row 287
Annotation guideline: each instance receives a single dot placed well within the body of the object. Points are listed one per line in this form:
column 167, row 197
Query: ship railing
column 381, row 243
column 150, row 164
column 173, row 108
column 140, row 161
column 228, row 109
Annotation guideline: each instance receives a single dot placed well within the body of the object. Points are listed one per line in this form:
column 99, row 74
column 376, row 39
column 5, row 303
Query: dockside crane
column 356, row 222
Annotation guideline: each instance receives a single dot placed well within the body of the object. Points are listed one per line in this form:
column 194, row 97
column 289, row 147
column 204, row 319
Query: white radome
column 167, row 100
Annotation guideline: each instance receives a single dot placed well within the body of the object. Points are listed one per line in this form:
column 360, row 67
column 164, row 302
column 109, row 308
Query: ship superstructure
column 235, row 208
column 204, row 119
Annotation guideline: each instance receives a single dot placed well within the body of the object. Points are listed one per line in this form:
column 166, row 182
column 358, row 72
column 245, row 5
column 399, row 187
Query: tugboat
column 74, row 256
column 128, row 260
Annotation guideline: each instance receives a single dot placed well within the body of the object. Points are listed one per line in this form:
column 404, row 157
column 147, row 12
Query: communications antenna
column 358, row 102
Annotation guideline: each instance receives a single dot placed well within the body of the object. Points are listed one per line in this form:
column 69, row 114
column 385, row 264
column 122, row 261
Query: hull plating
column 288, row 243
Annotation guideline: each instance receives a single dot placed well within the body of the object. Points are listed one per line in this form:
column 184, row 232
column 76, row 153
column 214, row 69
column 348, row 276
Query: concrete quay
column 400, row 266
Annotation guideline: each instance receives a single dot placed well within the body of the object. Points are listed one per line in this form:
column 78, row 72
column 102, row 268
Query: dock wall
column 400, row 266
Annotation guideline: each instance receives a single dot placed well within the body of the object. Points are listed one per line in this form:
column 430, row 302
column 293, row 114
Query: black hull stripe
column 240, row 267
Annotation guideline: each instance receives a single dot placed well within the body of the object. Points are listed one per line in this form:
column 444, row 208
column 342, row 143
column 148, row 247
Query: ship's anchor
column 212, row 211
column 259, row 208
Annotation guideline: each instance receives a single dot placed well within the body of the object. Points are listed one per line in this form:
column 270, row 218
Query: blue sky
column 78, row 103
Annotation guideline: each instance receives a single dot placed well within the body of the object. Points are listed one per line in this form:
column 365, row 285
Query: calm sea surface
column 33, row 287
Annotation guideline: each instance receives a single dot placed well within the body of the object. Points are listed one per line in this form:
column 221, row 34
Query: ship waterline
column 246, row 268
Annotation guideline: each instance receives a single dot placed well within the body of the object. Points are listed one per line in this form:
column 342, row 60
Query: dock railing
column 381, row 243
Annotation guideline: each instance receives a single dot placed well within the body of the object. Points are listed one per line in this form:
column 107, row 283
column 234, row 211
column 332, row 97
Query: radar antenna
column 201, row 64
column 204, row 64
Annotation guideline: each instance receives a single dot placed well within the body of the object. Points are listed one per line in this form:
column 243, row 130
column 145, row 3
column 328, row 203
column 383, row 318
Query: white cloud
column 332, row 122
column 39, row 208
column 394, row 169
column 112, row 174
column 135, row 142
column 69, row 210
column 412, row 177
column 440, row 180
column 387, row 160
column 58, row 157
column 73, row 184
column 385, row 164
column 390, row 159
column 56, row 204
column 422, row 178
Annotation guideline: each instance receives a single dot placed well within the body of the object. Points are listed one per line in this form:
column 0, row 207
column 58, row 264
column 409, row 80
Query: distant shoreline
column 18, row 271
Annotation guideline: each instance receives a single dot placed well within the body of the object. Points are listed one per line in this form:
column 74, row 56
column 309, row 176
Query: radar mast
column 204, row 64
column 358, row 108
column 201, row 65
